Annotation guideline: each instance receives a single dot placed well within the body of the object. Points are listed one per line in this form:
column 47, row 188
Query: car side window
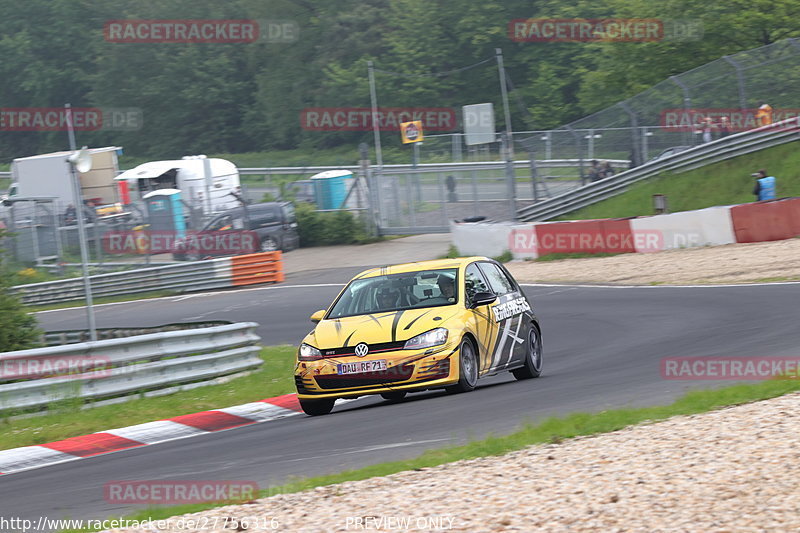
column 263, row 218
column 474, row 281
column 288, row 214
column 498, row 279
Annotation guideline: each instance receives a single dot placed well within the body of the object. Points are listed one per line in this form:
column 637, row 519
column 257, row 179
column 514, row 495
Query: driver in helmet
column 387, row 298
column 447, row 287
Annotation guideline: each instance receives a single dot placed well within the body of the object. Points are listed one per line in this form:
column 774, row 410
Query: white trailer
column 209, row 184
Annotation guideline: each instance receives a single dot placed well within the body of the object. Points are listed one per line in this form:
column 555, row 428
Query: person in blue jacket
column 765, row 186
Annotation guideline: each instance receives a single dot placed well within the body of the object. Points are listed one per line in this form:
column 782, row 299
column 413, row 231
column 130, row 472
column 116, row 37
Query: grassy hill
column 724, row 183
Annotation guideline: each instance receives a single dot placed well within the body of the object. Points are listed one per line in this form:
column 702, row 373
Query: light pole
column 82, row 162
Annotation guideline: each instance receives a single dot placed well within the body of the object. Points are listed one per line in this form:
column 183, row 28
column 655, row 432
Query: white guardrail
column 119, row 367
column 195, row 275
column 428, row 167
column 401, row 168
column 704, row 154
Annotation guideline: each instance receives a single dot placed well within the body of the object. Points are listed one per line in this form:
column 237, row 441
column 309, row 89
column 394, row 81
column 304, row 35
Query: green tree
column 18, row 329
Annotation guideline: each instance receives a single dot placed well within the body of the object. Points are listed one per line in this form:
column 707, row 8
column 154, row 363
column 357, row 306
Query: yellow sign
column 411, row 132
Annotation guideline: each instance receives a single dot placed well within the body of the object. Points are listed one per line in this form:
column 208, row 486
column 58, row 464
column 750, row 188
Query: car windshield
column 397, row 292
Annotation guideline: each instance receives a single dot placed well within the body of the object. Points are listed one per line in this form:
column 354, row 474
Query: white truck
column 49, row 176
column 208, row 184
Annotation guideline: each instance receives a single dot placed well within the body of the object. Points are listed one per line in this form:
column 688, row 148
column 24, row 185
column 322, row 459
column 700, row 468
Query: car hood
column 375, row 328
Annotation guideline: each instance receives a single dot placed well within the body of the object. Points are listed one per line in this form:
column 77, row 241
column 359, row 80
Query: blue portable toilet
column 330, row 188
column 165, row 211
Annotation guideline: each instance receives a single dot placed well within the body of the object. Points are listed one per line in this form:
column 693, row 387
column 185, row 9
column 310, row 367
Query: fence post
column 687, row 105
column 511, row 178
column 637, row 155
column 739, row 81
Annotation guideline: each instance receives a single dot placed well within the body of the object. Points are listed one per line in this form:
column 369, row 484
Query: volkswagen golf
column 440, row 324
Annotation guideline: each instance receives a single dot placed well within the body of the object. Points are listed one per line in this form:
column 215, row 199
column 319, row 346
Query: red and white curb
column 179, row 427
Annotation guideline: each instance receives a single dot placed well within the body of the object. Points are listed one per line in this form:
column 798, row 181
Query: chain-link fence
column 44, row 232
column 638, row 127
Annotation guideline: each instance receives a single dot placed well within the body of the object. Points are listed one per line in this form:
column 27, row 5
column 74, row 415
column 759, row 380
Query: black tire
column 394, row 396
column 533, row 357
column 317, row 407
column 467, row 368
column 268, row 244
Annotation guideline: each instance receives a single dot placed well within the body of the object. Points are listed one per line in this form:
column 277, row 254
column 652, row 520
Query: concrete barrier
column 771, row 220
column 687, row 229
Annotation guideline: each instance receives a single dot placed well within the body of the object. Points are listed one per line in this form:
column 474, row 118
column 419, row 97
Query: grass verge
column 551, row 430
column 724, row 183
column 103, row 300
column 67, row 419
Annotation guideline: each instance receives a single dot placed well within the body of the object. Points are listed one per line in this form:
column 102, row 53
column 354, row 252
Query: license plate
column 359, row 367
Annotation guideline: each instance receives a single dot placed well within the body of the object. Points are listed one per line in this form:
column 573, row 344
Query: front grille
column 436, row 369
column 390, row 375
column 300, row 384
column 373, row 348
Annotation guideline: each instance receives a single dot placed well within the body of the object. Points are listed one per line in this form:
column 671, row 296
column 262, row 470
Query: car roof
column 435, row 264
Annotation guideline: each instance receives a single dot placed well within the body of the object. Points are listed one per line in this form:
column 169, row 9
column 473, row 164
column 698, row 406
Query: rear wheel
column 533, row 357
column 317, row 407
column 268, row 244
column 394, row 396
column 467, row 368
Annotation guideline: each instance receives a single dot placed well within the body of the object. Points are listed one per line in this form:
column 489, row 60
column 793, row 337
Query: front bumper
column 406, row 371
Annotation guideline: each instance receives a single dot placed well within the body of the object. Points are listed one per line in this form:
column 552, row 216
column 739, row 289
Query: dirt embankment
column 733, row 263
column 735, row 469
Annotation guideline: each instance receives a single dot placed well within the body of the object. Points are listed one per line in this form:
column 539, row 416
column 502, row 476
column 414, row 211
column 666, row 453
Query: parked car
column 273, row 223
column 668, row 152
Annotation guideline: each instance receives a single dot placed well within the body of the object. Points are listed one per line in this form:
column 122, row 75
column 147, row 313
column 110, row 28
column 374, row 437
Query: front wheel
column 317, row 407
column 394, row 396
column 533, row 356
column 467, row 368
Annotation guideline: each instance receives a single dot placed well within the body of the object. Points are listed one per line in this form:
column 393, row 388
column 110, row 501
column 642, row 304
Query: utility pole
column 504, row 92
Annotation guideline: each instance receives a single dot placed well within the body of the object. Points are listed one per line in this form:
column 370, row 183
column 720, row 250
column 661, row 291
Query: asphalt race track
column 602, row 349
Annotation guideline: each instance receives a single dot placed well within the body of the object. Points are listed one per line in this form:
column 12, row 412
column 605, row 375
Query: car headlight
column 308, row 353
column 434, row 337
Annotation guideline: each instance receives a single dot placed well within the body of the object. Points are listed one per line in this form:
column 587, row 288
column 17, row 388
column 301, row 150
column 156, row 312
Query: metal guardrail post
column 121, row 366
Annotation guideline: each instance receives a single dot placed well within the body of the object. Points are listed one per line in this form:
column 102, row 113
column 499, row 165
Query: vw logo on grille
column 362, row 349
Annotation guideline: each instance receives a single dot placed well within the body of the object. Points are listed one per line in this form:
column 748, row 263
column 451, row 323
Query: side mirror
column 482, row 298
column 317, row 316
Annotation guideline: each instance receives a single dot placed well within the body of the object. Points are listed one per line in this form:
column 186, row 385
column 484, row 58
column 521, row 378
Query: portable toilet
column 165, row 211
column 330, row 188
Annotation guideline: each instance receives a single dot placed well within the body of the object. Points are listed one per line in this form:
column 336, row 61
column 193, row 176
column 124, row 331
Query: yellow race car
column 418, row 326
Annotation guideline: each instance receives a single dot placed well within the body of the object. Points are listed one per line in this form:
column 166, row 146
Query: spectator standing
column 595, row 172
column 764, row 114
column 765, row 186
column 606, row 170
column 724, row 127
column 706, row 126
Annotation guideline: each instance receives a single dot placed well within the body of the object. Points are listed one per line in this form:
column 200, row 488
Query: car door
column 290, row 227
column 483, row 326
column 511, row 314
